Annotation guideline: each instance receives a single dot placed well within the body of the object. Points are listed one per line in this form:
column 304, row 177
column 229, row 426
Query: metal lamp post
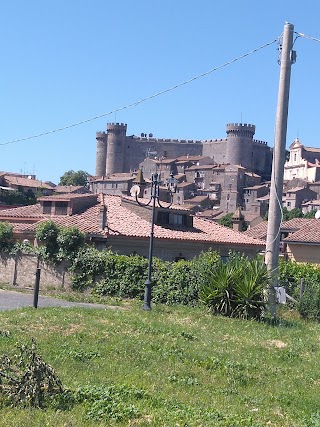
column 154, row 197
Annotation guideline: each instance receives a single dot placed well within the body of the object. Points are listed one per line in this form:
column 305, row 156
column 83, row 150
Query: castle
column 118, row 153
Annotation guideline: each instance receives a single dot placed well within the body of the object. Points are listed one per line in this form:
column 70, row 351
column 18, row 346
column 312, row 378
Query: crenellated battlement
column 117, row 128
column 208, row 141
column 168, row 140
column 241, row 129
column 256, row 141
column 101, row 135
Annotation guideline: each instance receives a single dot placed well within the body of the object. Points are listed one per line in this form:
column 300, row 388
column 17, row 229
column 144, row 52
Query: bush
column 6, row 237
column 59, row 243
column 236, row 288
column 124, row 276
column 290, row 275
column 26, row 380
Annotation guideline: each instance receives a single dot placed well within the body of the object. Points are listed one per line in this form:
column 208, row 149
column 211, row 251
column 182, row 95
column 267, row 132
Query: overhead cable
column 307, row 37
column 134, row 104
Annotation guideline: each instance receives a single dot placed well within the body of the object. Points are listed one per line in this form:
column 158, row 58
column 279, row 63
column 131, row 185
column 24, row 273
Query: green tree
column 72, row 177
column 310, row 214
column 59, row 243
column 47, row 233
column 70, row 240
column 6, row 236
column 226, row 220
column 294, row 213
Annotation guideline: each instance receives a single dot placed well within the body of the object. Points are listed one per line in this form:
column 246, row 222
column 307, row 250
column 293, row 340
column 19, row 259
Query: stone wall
column 19, row 270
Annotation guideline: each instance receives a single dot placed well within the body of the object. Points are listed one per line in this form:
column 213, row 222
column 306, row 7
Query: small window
column 61, row 208
column 177, row 219
column 163, row 217
column 47, row 207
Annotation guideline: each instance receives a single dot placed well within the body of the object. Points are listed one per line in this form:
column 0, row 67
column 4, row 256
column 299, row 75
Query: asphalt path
column 11, row 300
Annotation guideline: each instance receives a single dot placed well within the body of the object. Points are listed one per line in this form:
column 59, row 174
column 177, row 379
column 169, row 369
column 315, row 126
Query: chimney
column 102, row 215
column 237, row 220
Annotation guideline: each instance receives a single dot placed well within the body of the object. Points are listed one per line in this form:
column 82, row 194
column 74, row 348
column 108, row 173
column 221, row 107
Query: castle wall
column 138, row 149
column 124, row 153
column 216, row 149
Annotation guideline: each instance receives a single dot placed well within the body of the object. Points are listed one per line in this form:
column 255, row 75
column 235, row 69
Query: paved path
column 10, row 300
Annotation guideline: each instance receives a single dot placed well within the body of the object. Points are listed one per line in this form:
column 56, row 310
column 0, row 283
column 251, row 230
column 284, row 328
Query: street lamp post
column 154, row 197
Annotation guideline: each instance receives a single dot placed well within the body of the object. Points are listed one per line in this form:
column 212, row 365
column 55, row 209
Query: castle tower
column 116, row 147
column 101, row 138
column 239, row 144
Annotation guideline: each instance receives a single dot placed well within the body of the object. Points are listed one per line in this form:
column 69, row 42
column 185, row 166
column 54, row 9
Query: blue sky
column 65, row 61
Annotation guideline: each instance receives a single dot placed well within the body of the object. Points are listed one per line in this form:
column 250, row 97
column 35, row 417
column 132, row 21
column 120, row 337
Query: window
column 177, row 219
column 61, row 208
column 163, row 217
column 289, row 204
column 47, row 208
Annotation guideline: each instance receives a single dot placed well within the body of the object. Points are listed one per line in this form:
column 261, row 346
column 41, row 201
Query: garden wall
column 19, row 270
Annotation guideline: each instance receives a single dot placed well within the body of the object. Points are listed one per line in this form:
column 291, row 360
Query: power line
column 134, row 104
column 307, row 37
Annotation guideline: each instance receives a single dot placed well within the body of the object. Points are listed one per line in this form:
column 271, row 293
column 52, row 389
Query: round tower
column 101, row 138
column 116, row 146
column 239, row 144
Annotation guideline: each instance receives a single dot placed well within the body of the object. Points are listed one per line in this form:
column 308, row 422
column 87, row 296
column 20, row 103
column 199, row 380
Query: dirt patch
column 275, row 344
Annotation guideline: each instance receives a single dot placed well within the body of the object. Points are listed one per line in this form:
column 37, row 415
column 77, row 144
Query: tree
column 74, row 178
column 59, row 243
column 6, row 236
column 226, row 220
column 70, row 240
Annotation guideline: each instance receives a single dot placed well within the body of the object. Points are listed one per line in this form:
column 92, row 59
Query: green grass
column 173, row 366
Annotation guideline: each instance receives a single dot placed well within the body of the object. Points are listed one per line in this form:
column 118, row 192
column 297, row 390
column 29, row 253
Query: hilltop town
column 207, row 180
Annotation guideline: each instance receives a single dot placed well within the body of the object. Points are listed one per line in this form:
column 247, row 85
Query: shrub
column 124, row 276
column 290, row 275
column 25, row 379
column 236, row 288
column 59, row 243
column 6, row 236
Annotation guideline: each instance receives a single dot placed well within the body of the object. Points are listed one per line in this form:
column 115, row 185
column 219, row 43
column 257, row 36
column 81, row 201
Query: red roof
column 123, row 222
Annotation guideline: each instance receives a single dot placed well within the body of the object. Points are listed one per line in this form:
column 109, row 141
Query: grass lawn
column 173, row 366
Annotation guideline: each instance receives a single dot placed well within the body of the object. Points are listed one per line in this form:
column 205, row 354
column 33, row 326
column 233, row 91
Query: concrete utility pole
column 275, row 206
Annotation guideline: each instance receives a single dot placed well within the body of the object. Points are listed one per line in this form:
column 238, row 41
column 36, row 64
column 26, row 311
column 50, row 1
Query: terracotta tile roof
column 67, row 188
column 210, row 213
column 190, row 158
column 250, row 216
column 308, row 233
column 290, row 226
column 259, row 231
column 197, row 199
column 185, row 184
column 66, row 197
column 123, row 222
column 26, row 182
column 31, row 211
column 197, row 167
column 311, row 149
column 295, row 189
column 297, row 223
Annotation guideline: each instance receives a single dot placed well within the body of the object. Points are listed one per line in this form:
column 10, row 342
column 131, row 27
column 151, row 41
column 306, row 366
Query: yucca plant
column 235, row 288
column 218, row 293
column 248, row 299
